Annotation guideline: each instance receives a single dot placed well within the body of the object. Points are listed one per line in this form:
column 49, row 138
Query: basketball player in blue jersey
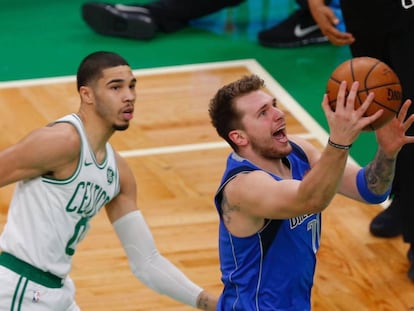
column 275, row 186
column 65, row 173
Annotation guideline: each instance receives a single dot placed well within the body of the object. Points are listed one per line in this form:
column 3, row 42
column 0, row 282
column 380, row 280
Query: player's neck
column 98, row 134
column 276, row 166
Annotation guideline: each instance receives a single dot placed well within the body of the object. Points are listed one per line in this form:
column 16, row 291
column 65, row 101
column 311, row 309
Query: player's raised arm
column 373, row 182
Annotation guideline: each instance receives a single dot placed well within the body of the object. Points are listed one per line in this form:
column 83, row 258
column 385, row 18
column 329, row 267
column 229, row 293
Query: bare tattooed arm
column 380, row 173
column 227, row 209
column 391, row 138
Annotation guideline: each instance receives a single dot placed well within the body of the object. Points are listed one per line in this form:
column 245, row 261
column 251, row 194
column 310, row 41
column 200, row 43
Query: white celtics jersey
column 47, row 218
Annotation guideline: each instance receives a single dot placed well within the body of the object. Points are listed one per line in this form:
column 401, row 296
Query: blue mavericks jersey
column 274, row 268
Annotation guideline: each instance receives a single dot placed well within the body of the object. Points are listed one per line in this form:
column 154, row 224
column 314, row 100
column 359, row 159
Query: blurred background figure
column 142, row 22
column 384, row 30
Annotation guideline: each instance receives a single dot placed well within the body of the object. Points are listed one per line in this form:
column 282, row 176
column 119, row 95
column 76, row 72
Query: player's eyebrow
column 134, row 80
column 115, row 81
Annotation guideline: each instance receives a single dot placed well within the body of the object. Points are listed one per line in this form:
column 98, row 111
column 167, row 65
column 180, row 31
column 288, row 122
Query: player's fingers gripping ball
column 373, row 76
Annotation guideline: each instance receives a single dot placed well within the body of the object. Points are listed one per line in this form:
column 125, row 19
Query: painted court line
column 138, row 72
column 184, row 148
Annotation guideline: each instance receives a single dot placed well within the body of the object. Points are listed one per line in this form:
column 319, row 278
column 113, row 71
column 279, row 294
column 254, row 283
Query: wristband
column 338, row 146
column 366, row 193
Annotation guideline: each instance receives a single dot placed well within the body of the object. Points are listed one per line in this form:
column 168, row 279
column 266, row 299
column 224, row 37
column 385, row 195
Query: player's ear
column 86, row 94
column 238, row 137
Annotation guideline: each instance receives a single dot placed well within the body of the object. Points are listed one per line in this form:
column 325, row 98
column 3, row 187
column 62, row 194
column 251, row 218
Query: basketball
column 373, row 76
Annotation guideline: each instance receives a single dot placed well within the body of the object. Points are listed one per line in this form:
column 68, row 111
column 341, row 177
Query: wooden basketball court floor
column 178, row 160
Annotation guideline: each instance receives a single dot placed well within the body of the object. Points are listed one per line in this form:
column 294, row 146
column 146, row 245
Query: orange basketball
column 373, row 76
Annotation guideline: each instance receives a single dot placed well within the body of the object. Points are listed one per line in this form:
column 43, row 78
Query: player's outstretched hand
column 392, row 136
column 346, row 122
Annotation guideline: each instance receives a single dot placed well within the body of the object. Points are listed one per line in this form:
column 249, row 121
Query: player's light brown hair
column 223, row 113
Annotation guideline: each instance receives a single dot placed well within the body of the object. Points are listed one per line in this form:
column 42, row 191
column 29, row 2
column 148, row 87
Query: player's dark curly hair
column 223, row 114
column 91, row 67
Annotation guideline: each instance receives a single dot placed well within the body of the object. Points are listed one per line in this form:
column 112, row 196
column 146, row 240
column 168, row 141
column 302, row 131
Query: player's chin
column 121, row 127
column 285, row 146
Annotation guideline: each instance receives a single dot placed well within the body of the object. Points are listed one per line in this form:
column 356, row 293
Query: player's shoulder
column 64, row 130
column 63, row 136
column 125, row 171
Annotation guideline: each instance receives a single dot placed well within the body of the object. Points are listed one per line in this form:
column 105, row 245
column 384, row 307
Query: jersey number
column 80, row 231
column 315, row 227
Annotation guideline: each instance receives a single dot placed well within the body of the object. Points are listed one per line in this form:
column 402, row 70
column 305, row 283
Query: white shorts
column 18, row 293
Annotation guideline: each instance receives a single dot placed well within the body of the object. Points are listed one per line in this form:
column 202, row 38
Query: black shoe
column 297, row 30
column 387, row 224
column 119, row 20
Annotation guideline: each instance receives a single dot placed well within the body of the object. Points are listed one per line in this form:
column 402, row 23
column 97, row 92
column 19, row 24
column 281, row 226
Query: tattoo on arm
column 227, row 209
column 380, row 173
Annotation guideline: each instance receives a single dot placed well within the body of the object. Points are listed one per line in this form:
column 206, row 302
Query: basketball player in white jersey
column 65, row 173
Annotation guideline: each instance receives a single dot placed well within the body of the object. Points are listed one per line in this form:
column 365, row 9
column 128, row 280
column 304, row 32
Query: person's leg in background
column 173, row 15
column 385, row 30
column 372, row 39
column 402, row 51
column 144, row 21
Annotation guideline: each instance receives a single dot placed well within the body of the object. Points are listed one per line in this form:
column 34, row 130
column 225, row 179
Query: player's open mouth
column 280, row 135
column 128, row 114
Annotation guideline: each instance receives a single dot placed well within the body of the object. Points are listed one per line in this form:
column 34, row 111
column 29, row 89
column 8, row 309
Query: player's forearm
column 319, row 186
column 315, row 4
column 379, row 173
column 153, row 269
